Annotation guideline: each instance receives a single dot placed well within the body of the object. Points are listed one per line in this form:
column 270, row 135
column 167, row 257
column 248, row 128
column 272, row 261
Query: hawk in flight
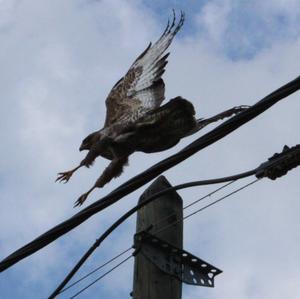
column 135, row 121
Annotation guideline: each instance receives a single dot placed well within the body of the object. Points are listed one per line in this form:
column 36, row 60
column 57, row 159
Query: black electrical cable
column 166, row 227
column 102, row 276
column 136, row 208
column 154, row 224
column 209, row 194
column 205, row 207
column 95, row 270
column 148, row 175
column 220, row 199
column 279, row 163
column 193, row 203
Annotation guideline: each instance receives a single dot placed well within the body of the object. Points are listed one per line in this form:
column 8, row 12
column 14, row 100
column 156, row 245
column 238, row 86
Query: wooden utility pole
column 149, row 281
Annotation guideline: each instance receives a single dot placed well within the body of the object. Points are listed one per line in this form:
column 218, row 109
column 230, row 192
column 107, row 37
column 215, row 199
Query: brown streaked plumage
column 135, row 121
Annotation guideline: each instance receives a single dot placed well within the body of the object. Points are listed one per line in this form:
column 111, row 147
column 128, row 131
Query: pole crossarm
column 148, row 175
column 174, row 261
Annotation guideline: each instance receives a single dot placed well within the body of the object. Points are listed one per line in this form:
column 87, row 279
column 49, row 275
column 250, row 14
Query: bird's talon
column 63, row 177
column 81, row 200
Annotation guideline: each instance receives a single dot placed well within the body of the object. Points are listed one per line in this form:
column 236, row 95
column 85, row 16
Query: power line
column 95, row 270
column 126, row 250
column 162, row 229
column 132, row 211
column 102, row 276
column 194, row 202
column 220, row 199
column 141, row 179
column 273, row 170
column 207, row 206
column 208, row 195
column 276, row 166
column 169, row 225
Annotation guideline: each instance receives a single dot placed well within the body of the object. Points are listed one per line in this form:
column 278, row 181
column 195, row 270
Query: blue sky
column 250, row 26
column 59, row 60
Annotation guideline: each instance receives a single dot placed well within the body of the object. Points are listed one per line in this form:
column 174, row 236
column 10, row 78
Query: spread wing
column 142, row 88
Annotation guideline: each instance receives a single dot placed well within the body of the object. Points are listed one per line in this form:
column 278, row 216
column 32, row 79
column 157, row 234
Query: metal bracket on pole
column 174, row 261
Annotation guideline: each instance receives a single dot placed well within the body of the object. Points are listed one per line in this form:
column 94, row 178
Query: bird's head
column 88, row 141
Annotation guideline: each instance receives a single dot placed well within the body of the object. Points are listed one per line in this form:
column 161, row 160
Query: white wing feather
column 152, row 65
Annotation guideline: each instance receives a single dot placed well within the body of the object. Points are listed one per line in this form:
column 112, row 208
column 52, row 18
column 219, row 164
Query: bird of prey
column 135, row 121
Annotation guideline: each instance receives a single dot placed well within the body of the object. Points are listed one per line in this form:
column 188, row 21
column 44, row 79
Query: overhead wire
column 144, row 177
column 136, row 208
column 102, row 276
column 208, row 195
column 95, row 270
column 126, row 250
column 220, row 199
column 155, row 224
column 276, row 166
column 206, row 206
column 167, row 226
column 193, row 203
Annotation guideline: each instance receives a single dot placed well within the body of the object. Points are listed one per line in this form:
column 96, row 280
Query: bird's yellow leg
column 65, row 176
column 83, row 197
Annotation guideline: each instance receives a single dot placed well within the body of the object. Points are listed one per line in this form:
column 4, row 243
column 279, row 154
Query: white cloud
column 214, row 18
column 240, row 29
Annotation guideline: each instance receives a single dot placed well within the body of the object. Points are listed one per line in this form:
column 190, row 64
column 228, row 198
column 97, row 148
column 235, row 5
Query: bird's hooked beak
column 81, row 148
column 88, row 141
